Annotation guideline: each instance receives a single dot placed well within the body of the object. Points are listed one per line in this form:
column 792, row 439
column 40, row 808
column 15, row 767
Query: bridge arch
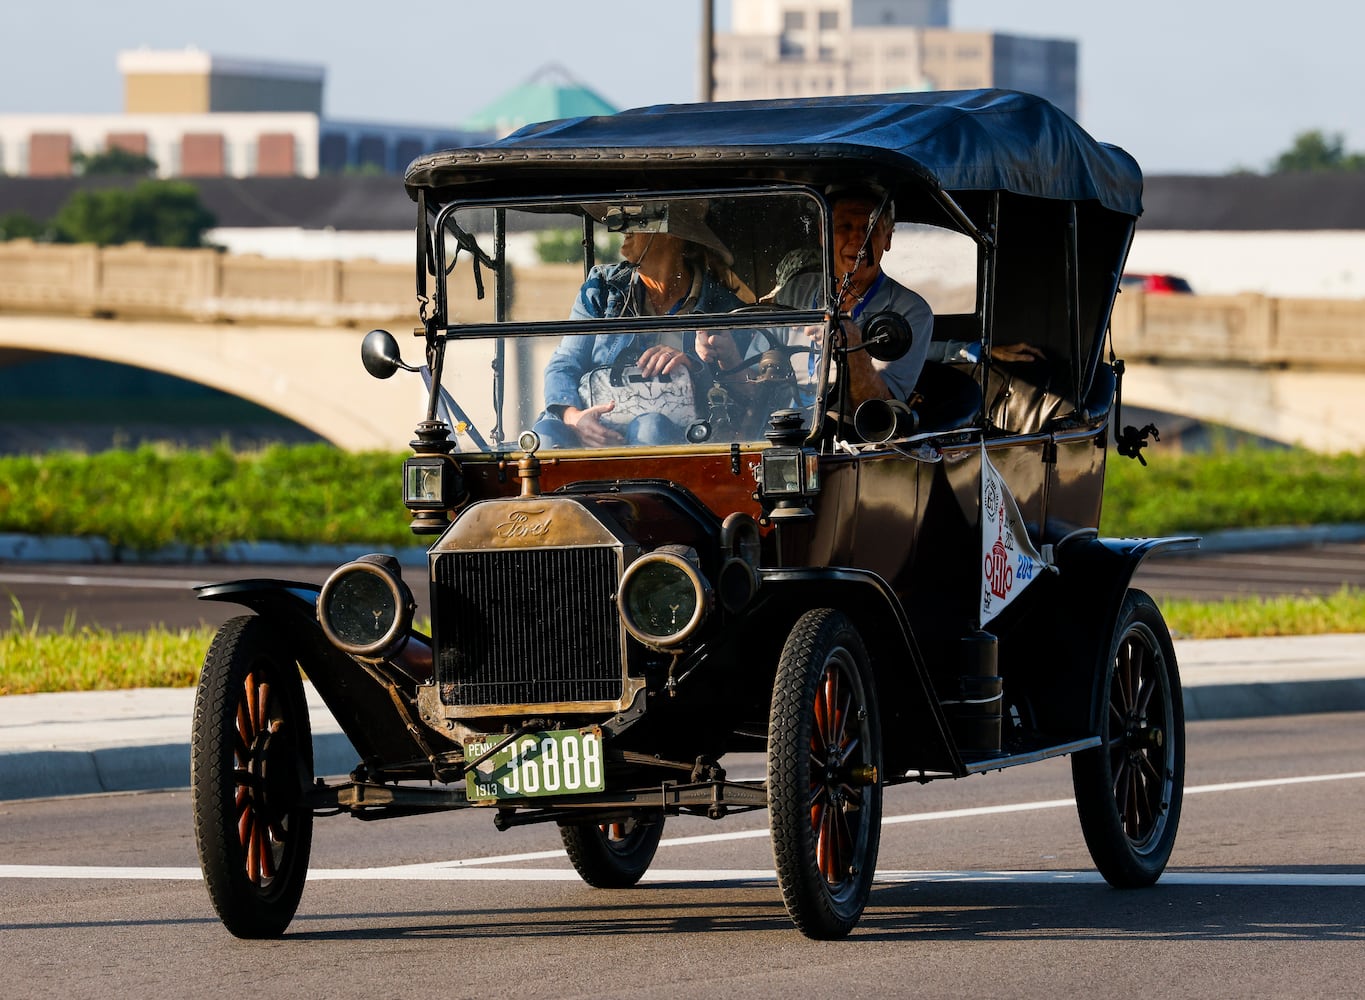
column 310, row 375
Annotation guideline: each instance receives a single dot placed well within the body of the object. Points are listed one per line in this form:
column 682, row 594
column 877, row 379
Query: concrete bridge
column 286, row 335
column 311, row 375
column 1288, row 369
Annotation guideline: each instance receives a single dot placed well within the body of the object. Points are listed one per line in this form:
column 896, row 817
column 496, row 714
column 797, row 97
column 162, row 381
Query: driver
column 864, row 289
column 662, row 273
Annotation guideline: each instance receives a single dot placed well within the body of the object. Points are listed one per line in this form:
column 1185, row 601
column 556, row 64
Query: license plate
column 534, row 765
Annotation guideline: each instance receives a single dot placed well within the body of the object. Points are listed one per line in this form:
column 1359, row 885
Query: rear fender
column 905, row 695
column 360, row 696
column 1075, row 625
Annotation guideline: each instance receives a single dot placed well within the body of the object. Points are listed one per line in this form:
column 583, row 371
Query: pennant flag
column 1009, row 562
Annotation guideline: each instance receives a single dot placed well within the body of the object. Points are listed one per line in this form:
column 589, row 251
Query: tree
column 1316, row 150
column 565, row 246
column 114, row 160
column 20, row 226
column 157, row 213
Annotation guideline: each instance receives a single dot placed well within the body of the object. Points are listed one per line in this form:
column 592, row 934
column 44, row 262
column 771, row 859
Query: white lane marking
column 478, row 869
column 698, row 876
column 127, row 582
column 1239, row 786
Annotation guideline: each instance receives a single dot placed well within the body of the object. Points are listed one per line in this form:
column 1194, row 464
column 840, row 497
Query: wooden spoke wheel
column 824, row 792
column 251, row 766
column 613, row 855
column 1129, row 789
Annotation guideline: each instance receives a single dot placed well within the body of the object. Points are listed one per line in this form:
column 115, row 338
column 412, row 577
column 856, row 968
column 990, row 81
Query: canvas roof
column 979, row 140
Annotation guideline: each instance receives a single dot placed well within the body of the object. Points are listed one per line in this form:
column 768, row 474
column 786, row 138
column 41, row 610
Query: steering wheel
column 787, row 350
column 760, row 307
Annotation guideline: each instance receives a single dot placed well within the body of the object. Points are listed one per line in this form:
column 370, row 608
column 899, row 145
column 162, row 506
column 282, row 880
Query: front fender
column 905, row 694
column 266, row 596
column 373, row 703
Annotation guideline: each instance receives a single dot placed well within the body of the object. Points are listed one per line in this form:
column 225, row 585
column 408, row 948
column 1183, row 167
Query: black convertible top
column 974, row 140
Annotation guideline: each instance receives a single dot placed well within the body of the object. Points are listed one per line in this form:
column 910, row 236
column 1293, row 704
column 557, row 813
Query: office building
column 817, row 48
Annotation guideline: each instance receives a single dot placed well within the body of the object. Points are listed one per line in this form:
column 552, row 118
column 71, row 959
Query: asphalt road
column 985, row 889
column 135, row 596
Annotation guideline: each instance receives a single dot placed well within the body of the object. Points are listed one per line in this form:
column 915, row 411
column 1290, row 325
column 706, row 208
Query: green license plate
column 534, row 765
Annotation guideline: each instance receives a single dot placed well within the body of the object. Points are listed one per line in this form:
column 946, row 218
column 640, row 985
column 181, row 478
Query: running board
column 1028, row 757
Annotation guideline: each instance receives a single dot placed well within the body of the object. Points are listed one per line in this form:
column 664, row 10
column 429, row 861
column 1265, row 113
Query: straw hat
column 687, row 221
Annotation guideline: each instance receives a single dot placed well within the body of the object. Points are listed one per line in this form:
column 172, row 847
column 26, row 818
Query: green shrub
column 152, row 497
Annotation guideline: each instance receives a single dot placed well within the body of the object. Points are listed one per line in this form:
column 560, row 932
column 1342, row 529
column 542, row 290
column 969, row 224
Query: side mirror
column 380, row 355
column 887, row 336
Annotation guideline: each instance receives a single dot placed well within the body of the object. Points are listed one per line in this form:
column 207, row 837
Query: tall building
column 816, row 48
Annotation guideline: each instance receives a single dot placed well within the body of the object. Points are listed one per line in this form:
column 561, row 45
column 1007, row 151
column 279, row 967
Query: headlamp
column 663, row 597
column 366, row 609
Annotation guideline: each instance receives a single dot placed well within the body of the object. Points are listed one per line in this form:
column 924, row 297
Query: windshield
column 705, row 386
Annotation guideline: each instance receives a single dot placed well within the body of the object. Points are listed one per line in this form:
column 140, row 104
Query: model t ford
column 776, row 428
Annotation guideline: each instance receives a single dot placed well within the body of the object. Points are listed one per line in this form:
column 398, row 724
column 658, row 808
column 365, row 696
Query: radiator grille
column 528, row 626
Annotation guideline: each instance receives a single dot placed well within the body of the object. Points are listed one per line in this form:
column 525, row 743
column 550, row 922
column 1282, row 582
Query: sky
column 1193, row 87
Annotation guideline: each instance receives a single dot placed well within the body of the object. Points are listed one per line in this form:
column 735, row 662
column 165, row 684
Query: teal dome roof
column 549, row 94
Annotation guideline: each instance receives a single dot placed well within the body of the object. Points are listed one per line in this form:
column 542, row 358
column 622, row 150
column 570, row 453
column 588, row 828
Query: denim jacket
column 608, row 291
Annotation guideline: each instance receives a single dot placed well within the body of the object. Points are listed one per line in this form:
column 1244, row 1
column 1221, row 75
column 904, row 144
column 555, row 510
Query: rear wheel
column 1129, row 789
column 824, row 795
column 613, row 855
column 251, row 764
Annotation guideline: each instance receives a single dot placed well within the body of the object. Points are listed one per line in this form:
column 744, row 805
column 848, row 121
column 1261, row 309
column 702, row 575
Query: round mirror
column 380, row 356
column 887, row 337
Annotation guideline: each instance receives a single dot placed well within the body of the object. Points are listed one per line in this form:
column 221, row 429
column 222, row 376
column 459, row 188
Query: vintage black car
column 734, row 553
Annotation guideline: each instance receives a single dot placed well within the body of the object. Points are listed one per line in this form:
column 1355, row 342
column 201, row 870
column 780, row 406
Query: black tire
column 613, row 855
column 1129, row 789
column 251, row 765
column 824, row 760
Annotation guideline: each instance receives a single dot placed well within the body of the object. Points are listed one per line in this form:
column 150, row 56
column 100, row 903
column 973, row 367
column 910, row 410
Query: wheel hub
column 273, row 788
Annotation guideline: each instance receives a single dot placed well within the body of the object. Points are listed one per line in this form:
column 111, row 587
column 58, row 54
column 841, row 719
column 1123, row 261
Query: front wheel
column 824, row 792
column 613, row 855
column 1129, row 789
column 251, row 764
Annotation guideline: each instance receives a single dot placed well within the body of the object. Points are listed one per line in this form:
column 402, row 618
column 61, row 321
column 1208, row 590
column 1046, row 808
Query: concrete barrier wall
column 137, row 282
column 1249, row 329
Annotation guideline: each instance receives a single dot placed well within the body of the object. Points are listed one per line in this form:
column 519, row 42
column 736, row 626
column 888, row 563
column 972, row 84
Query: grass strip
column 34, row 660
column 1306, row 614
column 152, row 496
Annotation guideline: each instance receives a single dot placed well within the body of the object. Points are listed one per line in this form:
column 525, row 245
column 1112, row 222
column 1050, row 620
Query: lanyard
column 856, row 312
column 867, row 297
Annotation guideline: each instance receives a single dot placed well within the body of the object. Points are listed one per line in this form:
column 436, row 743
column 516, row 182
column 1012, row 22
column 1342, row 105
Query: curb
column 31, row 774
column 67, row 549
column 1273, row 698
column 1264, row 539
